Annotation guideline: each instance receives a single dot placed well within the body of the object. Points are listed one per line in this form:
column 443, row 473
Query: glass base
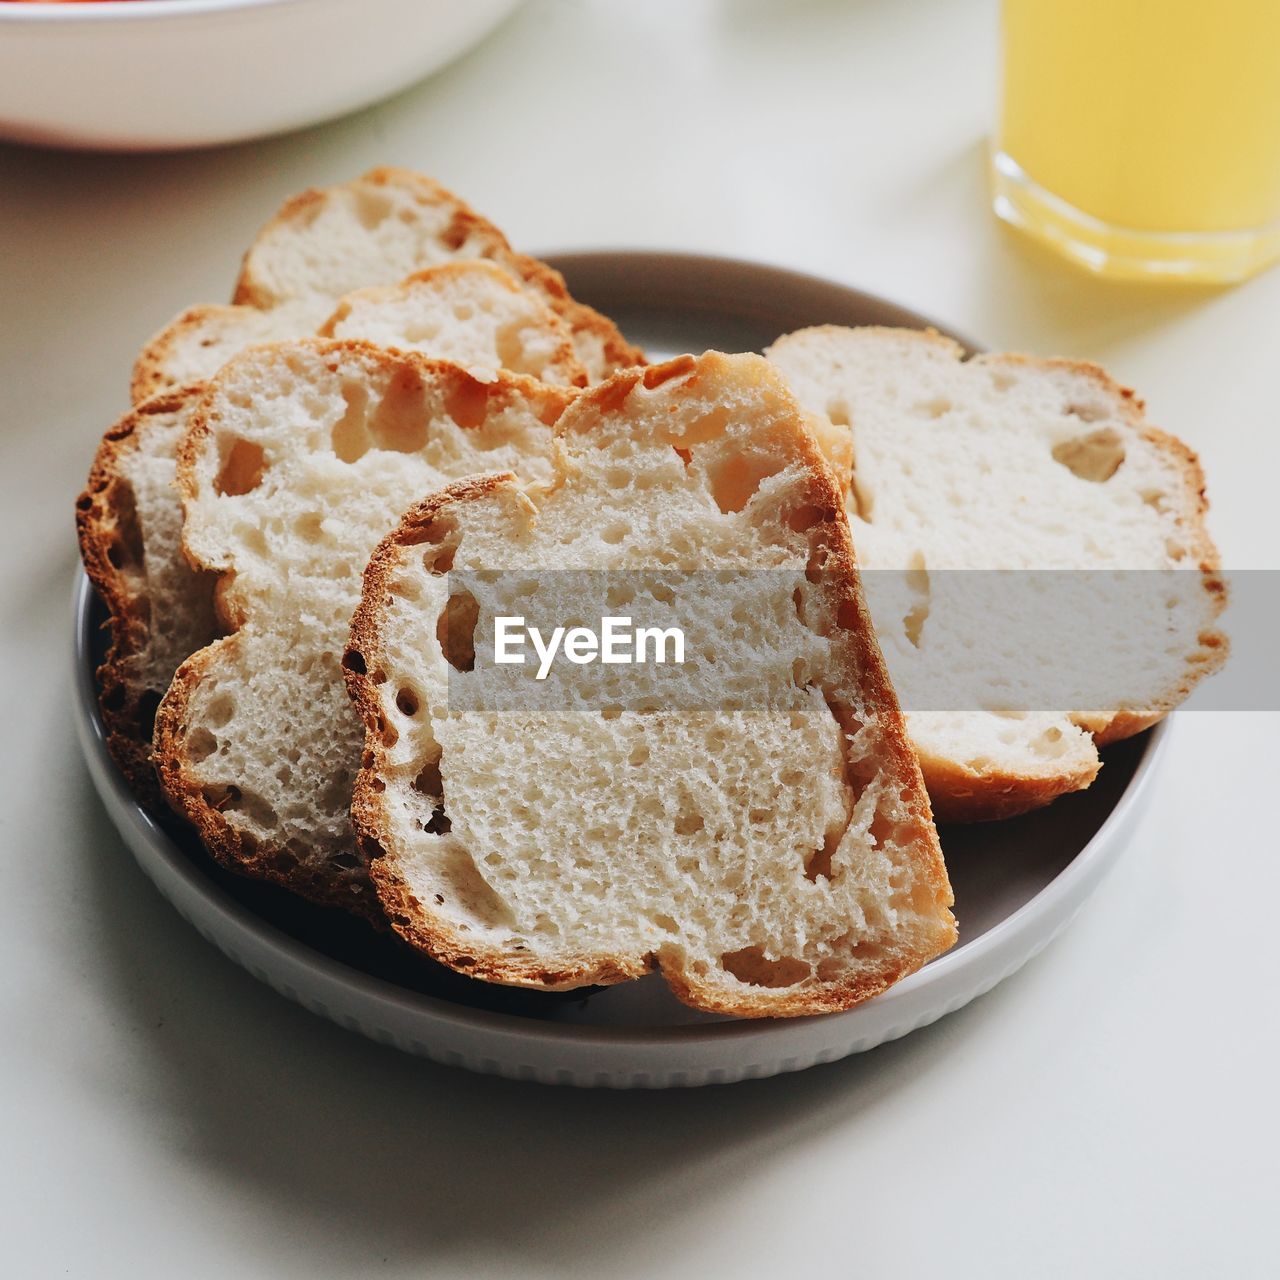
column 1210, row 257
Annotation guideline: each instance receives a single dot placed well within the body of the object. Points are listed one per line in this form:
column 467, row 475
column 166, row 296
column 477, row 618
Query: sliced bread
column 470, row 312
column 130, row 515
column 762, row 838
column 160, row 609
column 1000, row 463
column 299, row 457
column 323, row 244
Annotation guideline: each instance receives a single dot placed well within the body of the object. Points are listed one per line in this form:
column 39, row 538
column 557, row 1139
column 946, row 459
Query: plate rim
column 1025, row 925
column 105, row 774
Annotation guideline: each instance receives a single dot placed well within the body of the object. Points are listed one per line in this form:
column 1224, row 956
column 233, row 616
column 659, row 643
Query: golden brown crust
column 112, row 551
column 230, row 846
column 465, row 225
column 152, row 370
column 832, row 557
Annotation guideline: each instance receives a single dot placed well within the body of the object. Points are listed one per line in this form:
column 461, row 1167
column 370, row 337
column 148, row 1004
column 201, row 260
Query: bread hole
column 1001, row 381
column 398, row 422
column 819, row 863
column 201, row 744
column 428, row 781
column 471, row 895
column 372, row 207
column 639, row 755
column 454, row 236
column 456, row 630
column 309, row 526
column 1050, row 744
column 710, row 426
column 375, row 784
column 614, row 533
column 467, row 401
column 881, row 829
column 232, row 799
column 662, row 593
column 751, row 966
column 917, row 583
column 350, row 438
column 389, row 734
column 511, row 350
column 803, row 518
column 242, row 469
column 127, row 548
column 934, row 408
column 1086, row 410
column 620, row 595
column 838, row 412
column 817, row 564
column 664, row 922
column 407, row 702
column 688, row 823
column 1156, row 500
column 220, row 710
column 1095, row 457
column 1174, row 550
column 353, row 661
column 440, row 559
column 113, row 698
column 617, row 477
column 735, row 478
column 658, row 374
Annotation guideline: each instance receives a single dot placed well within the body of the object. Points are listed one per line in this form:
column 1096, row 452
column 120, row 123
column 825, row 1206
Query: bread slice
column 130, row 516
column 299, row 457
column 760, row 834
column 1013, row 463
column 323, row 244
column 161, row 610
column 470, row 312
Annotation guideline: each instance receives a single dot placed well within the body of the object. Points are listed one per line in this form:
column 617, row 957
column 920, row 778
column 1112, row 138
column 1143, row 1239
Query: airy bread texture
column 1013, row 463
column 299, row 457
column 472, row 313
column 768, row 844
column 323, row 244
column 129, row 523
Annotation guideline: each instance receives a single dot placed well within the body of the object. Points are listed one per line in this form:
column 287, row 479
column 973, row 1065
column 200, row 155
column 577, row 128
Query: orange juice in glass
column 1142, row 137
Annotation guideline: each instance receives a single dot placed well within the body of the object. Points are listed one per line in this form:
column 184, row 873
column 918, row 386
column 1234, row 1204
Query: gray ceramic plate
column 1017, row 883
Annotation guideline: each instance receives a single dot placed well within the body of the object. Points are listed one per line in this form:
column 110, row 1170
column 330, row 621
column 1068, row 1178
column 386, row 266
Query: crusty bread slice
column 161, row 609
column 299, row 457
column 130, row 516
column 1013, row 463
column 470, row 312
column 764, row 840
column 323, row 244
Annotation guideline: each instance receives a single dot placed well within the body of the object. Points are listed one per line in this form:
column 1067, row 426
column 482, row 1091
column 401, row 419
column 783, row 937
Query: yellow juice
column 1143, row 136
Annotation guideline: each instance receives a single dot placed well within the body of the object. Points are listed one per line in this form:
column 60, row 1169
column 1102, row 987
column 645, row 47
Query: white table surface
column 1109, row 1111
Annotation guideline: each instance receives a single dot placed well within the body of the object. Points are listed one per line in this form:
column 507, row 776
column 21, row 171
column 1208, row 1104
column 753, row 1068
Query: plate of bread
column 306, row 541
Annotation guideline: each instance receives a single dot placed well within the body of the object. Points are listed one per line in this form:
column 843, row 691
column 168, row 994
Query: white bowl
column 153, row 74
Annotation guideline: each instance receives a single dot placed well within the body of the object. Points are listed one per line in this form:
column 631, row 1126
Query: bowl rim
column 89, row 11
